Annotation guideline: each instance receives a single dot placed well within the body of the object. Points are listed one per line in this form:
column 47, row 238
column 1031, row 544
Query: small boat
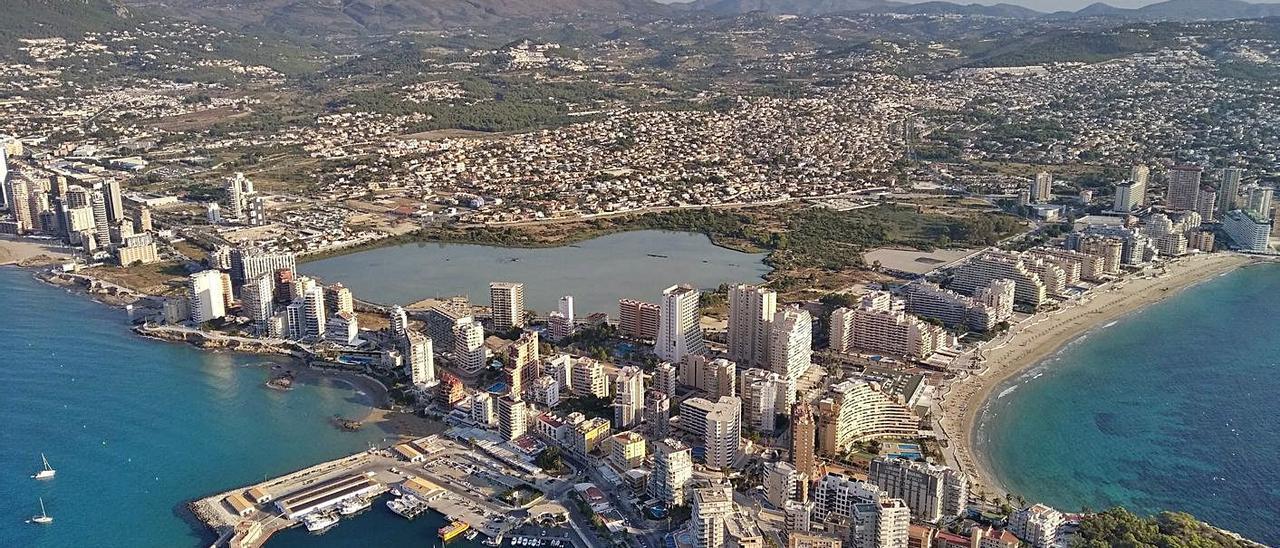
column 43, row 518
column 451, row 531
column 319, row 522
column 48, row 471
column 472, row 535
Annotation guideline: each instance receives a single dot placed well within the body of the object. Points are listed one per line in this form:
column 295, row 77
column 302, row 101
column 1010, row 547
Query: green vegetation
column 521, row 495
column 551, row 461
column 1119, row 528
column 590, row 406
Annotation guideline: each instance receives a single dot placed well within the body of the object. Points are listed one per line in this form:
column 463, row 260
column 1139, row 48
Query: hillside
column 47, row 18
column 376, row 16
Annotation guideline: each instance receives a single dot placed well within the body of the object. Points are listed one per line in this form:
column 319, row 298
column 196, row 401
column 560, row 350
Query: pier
column 248, row 516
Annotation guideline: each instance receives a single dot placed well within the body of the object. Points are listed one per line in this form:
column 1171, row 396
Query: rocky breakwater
column 212, row 340
column 104, row 292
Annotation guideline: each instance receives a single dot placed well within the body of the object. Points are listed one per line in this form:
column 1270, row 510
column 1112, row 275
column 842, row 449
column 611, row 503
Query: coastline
column 1038, row 337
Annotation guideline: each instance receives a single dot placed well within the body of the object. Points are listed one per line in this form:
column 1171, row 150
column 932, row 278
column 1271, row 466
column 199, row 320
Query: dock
column 247, row 516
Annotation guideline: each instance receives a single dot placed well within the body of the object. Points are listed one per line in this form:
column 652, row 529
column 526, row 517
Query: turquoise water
column 596, row 272
column 136, row 427
column 1173, row 407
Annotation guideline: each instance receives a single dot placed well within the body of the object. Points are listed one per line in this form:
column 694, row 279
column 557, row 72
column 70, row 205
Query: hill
column 378, row 16
column 65, row 18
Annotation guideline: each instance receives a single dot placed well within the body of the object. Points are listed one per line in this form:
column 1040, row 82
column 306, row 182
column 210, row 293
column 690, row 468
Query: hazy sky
column 1039, row 5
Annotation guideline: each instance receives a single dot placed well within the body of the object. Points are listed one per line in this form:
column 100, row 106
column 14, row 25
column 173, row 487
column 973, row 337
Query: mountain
column 792, row 7
column 1191, row 10
column 365, row 16
column 47, row 18
column 947, row 8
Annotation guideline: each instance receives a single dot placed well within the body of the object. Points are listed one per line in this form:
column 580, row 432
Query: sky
column 1038, row 5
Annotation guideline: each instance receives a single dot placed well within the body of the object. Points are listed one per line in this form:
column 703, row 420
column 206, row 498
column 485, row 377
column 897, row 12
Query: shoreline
column 1037, row 338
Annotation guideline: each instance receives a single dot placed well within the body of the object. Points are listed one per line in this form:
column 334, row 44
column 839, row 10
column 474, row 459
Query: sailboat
column 43, row 518
column 48, row 471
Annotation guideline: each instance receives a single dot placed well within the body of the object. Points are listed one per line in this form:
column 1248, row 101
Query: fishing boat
column 43, row 518
column 353, row 505
column 319, row 522
column 48, row 471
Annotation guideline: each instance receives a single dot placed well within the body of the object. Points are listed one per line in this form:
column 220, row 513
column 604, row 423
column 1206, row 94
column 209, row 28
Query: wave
column 1006, row 391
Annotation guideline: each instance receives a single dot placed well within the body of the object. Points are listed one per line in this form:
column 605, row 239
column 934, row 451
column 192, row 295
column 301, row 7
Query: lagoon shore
column 1039, row 336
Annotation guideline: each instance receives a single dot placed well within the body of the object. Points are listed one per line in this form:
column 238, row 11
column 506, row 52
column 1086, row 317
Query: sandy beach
column 1039, row 336
column 22, row 251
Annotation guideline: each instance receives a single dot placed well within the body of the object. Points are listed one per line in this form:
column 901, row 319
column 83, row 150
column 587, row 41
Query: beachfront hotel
column 1039, row 525
column 992, row 305
column 857, row 410
column 1248, row 230
column 879, row 325
column 990, row 266
column 751, row 312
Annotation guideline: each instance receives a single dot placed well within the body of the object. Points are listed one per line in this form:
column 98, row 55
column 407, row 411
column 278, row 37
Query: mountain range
column 1169, row 10
column 324, row 18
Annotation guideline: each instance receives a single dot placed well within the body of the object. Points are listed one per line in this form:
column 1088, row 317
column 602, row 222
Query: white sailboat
column 48, row 471
column 43, row 518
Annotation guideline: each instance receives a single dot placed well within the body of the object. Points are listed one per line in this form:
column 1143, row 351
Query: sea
column 1173, row 407
column 596, row 272
column 136, row 428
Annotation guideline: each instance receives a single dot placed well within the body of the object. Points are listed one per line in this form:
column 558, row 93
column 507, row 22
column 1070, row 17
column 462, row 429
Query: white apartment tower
column 679, row 330
column 204, row 289
column 506, row 299
column 751, row 309
column 628, row 398
column 791, row 343
column 712, row 508
column 672, row 470
column 468, row 345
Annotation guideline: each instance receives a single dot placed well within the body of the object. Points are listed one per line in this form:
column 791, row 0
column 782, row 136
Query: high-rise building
column 257, row 297
column 343, row 328
column 638, row 319
column 142, row 219
column 856, row 411
column 626, row 451
column 558, row 326
column 931, row 491
column 419, row 359
column 522, row 362
column 113, row 201
column 101, row 222
column 1228, row 189
column 1260, row 201
column 588, row 379
column 1039, row 525
column 204, row 291
column 672, row 470
column 314, row 313
column 715, row 378
column 712, row 508
column 250, row 262
column 238, row 190
column 927, row 300
column 679, row 327
column 1184, row 187
column 257, row 211
column 565, row 308
column 1207, row 203
column 791, row 343
column 399, row 322
column 506, row 299
column 512, row 422
column 782, row 483
column 337, row 298
column 628, row 397
column 1248, row 230
column 880, row 326
column 751, row 309
column 719, row 424
column 1042, row 187
column 657, row 413
column 804, row 434
column 665, row 378
column 1128, row 196
column 468, row 345
column 16, row 196
column 881, row 524
column 764, row 395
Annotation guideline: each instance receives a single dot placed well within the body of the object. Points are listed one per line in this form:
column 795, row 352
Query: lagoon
column 597, row 272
